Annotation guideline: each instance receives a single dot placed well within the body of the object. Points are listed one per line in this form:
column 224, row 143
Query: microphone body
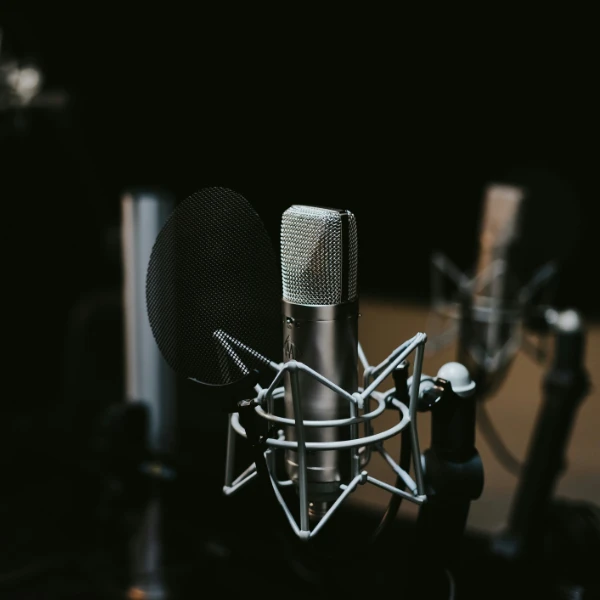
column 565, row 387
column 325, row 338
column 320, row 312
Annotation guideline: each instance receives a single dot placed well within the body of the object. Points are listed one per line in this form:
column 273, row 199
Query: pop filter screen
column 213, row 289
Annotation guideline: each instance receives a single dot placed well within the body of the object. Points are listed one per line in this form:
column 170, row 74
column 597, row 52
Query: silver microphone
column 494, row 312
column 525, row 235
column 148, row 378
column 320, row 311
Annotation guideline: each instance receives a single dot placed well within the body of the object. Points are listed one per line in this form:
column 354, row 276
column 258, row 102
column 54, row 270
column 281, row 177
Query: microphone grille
column 319, row 255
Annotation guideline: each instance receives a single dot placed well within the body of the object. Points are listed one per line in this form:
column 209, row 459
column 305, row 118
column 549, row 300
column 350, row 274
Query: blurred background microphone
column 527, row 231
column 490, row 314
column 320, row 309
column 149, row 382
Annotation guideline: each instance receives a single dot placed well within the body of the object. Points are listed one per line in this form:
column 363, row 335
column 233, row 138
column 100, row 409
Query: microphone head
column 319, row 256
column 530, row 217
column 501, row 219
column 500, row 229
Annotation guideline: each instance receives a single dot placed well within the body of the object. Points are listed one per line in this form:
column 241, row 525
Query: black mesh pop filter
column 213, row 289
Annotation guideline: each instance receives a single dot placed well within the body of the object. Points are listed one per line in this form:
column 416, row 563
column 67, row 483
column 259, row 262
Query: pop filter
column 213, row 290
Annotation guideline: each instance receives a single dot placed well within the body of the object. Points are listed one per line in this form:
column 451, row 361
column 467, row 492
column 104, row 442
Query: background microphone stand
column 558, row 537
column 536, row 521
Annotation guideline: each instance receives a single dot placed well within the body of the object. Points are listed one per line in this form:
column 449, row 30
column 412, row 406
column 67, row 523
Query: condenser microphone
column 486, row 342
column 214, row 296
column 320, row 313
column 528, row 230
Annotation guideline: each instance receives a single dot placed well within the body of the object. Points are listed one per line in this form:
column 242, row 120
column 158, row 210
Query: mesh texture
column 213, row 289
column 312, row 256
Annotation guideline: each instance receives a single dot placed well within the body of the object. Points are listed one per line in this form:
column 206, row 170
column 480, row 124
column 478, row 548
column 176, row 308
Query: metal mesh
column 312, row 256
column 213, row 290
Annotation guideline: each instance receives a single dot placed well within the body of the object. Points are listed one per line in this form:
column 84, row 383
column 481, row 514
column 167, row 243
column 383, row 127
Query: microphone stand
column 565, row 386
column 538, row 529
column 453, row 473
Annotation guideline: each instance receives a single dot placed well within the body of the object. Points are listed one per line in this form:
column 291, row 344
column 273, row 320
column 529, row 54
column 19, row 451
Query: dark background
column 288, row 115
column 403, row 133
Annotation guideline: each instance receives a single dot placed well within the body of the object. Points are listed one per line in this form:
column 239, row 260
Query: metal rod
column 408, row 480
column 414, row 402
column 354, row 434
column 390, row 488
column 340, row 445
column 418, row 339
column 230, row 454
column 368, row 427
column 332, row 386
column 228, row 490
column 330, row 423
column 272, row 470
column 302, row 474
column 275, row 382
column 363, row 357
column 348, row 489
column 376, row 370
column 286, row 510
column 247, row 471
